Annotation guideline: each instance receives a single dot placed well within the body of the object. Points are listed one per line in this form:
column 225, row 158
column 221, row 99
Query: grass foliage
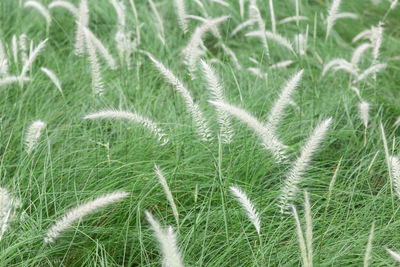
column 178, row 63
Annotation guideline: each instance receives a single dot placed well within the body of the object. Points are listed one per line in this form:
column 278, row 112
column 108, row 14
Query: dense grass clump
column 199, row 133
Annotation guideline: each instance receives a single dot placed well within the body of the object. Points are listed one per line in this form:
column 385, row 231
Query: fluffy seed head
column 252, row 213
column 33, row 134
column 269, row 140
column 168, row 243
column 289, row 189
column 364, row 111
column 131, row 116
column 81, row 211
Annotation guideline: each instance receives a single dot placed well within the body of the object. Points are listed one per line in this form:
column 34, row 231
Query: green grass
column 69, row 167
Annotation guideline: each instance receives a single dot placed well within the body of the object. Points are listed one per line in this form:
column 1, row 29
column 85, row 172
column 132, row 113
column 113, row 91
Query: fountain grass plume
column 42, row 10
column 79, row 212
column 276, row 113
column 33, row 134
column 294, row 177
column 217, row 93
column 82, row 22
column 64, row 4
column 167, row 191
column 198, row 118
column 248, row 206
column 133, row 117
column 53, row 77
column 168, row 243
column 269, row 141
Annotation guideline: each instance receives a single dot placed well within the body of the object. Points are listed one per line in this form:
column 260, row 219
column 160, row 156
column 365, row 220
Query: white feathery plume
column 8, row 205
column 14, row 46
column 309, row 234
column 394, row 255
column 181, row 14
column 81, row 211
column 355, row 89
column 32, row 57
column 167, row 191
column 170, row 261
column 369, row 246
column 269, row 141
column 297, row 5
column 168, row 242
column 290, row 19
column 349, row 68
column 276, row 113
column 332, row 183
column 101, row 48
column 232, row 55
column 200, row 4
column 281, row 64
column 332, row 16
column 13, row 79
column 23, row 48
column 160, row 23
column 120, row 10
column 358, row 52
column 82, row 22
column 364, row 115
column 271, row 10
column 255, row 61
column 192, row 52
column 221, row 2
column 364, row 111
column 339, row 62
column 32, row 134
column 42, row 10
column 64, row 4
column 198, row 117
column 289, row 188
column 376, row 40
column 394, row 4
column 214, row 29
column 30, row 47
column 301, row 43
column 53, row 77
column 248, row 206
column 366, row 34
column 371, row 70
column 280, row 40
column 395, row 168
column 133, row 117
column 243, row 25
column 122, row 39
column 97, row 81
column 346, row 15
column 297, row 12
column 198, row 18
column 257, row 72
column 217, row 92
column 3, row 61
column 241, row 8
column 256, row 16
column 302, row 243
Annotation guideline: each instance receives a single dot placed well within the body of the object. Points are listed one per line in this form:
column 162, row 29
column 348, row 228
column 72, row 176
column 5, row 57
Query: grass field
column 76, row 160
